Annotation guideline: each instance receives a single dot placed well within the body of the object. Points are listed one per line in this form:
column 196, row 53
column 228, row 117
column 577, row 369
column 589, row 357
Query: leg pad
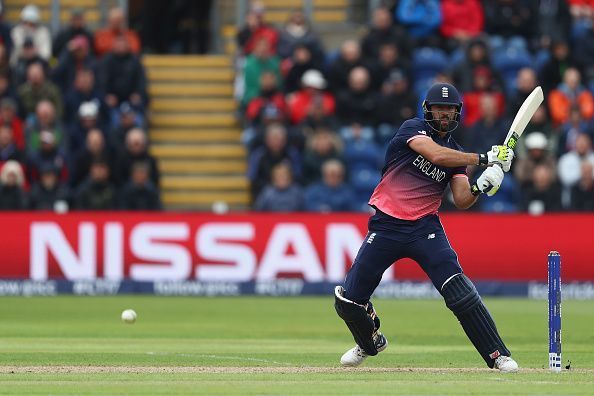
column 361, row 320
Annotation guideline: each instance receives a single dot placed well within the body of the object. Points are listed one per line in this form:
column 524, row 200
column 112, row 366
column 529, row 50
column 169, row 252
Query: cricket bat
column 523, row 117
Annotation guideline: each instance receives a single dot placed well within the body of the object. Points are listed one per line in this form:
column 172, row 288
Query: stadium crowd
column 72, row 117
column 317, row 122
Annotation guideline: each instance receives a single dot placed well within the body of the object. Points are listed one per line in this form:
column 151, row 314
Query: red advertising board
column 244, row 247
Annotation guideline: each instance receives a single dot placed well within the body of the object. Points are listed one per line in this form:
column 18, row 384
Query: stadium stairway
column 194, row 132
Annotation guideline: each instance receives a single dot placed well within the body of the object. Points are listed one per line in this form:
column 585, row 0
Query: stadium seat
column 505, row 201
column 427, row 62
column 540, row 59
column 363, row 154
column 509, row 62
column 364, row 179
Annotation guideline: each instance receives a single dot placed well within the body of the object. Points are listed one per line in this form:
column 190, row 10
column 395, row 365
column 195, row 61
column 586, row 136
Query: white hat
column 88, row 110
column 536, row 140
column 314, row 79
column 30, row 13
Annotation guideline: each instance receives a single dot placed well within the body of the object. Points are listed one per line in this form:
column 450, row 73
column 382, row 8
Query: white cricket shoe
column 505, row 364
column 355, row 356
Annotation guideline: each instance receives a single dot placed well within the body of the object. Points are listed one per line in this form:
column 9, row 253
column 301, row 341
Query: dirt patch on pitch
column 243, row 370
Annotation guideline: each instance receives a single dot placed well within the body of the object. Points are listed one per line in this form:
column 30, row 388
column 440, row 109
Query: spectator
column 421, row 18
column 340, row 69
column 9, row 117
column 311, row 95
column 384, row 31
column 49, row 193
column 282, row 194
column 476, row 56
column 483, row 85
column 6, row 89
column 256, row 30
column 569, row 163
column 489, row 130
column 259, row 61
column 122, row 76
column 106, row 39
column 76, row 56
column 128, row 119
column 554, row 22
column 298, row 32
column 47, row 154
column 44, row 120
column 269, row 95
column 526, row 81
column 5, row 35
column 543, row 195
column 140, row 193
column 136, row 150
column 9, row 151
column 36, row 89
column 462, row 20
column 300, row 62
column 95, row 149
column 584, row 53
column 357, row 105
column 4, row 60
column 540, row 122
column 567, row 94
column 389, row 61
column 570, row 131
column 263, row 159
column 537, row 153
column 97, row 192
column 29, row 26
column 88, row 118
column 12, row 195
column 76, row 28
column 321, row 146
column 582, row 193
column 84, row 90
column 510, row 18
column 396, row 105
column 551, row 74
column 332, row 194
column 27, row 57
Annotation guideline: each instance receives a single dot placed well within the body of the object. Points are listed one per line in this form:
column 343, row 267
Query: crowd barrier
column 269, row 254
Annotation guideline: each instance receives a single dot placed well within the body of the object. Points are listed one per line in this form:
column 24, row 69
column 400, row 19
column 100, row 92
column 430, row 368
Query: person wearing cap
column 12, row 180
column 483, row 84
column 75, row 57
column 30, row 27
column 47, row 153
column 105, row 39
column 537, row 153
column 76, row 27
column 48, row 192
column 128, row 119
column 28, row 56
column 311, row 95
column 88, row 118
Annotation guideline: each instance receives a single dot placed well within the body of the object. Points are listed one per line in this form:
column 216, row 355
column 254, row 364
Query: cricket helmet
column 442, row 94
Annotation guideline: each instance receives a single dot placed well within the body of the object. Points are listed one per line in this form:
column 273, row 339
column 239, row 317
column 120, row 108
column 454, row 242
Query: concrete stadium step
column 271, row 4
column 194, row 136
column 210, row 167
column 193, row 120
column 204, row 199
column 177, row 105
column 187, row 61
column 199, row 151
column 204, row 183
column 48, row 3
column 190, row 75
column 180, row 90
column 318, row 16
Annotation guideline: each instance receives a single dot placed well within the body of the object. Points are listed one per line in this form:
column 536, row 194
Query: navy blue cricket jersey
column 411, row 186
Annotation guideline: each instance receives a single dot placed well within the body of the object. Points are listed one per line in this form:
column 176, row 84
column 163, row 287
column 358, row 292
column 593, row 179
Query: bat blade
column 523, row 117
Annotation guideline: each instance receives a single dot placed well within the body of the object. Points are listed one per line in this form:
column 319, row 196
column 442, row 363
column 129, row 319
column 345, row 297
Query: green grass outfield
column 251, row 345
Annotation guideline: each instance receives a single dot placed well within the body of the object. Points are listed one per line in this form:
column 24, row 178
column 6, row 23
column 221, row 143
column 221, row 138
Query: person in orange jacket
column 570, row 93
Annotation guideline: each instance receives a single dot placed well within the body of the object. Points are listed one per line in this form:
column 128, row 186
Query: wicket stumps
column 554, row 280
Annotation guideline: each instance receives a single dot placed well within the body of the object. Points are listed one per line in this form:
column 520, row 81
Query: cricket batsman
column 422, row 158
